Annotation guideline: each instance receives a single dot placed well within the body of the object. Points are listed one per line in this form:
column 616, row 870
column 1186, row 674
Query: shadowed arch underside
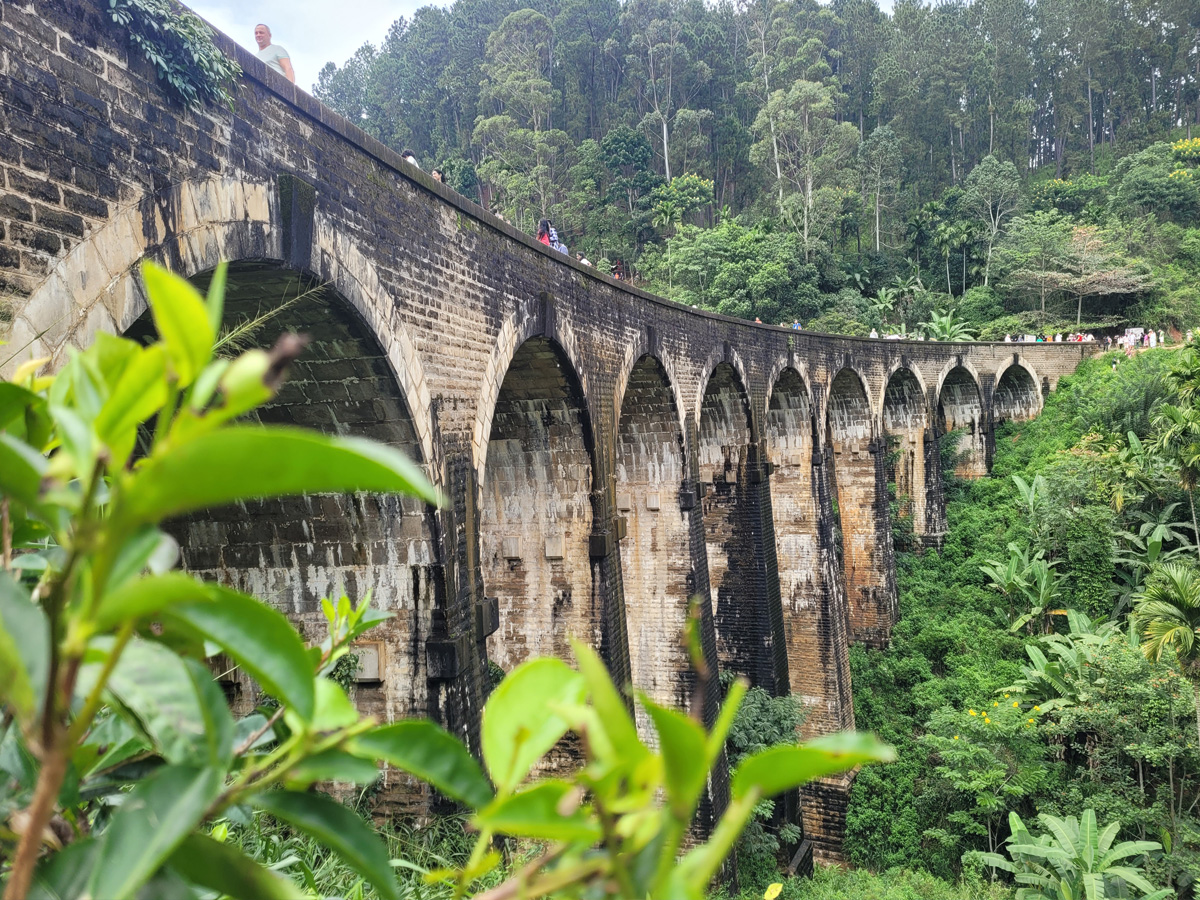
column 960, row 409
column 656, row 554
column 294, row 552
column 811, row 592
column 909, row 463
column 1016, row 397
column 860, row 489
column 536, row 511
column 732, row 509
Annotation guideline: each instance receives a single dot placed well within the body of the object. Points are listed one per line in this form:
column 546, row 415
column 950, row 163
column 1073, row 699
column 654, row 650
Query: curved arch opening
column 960, row 411
column 814, row 661
column 651, row 468
column 860, row 492
column 904, row 421
column 536, row 510
column 294, row 552
column 729, row 510
column 1016, row 398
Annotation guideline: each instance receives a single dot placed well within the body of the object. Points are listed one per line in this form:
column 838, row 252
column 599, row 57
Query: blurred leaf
column 331, row 823
column 331, row 765
column 181, row 320
column 781, row 768
column 519, row 721
column 685, row 757
column 247, row 461
column 225, row 869
column 424, row 749
column 541, row 813
column 24, row 650
column 147, row 596
column 154, row 818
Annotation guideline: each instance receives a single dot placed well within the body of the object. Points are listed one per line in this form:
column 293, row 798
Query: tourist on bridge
column 272, row 54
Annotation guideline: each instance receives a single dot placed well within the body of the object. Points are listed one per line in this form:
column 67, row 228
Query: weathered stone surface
column 605, row 454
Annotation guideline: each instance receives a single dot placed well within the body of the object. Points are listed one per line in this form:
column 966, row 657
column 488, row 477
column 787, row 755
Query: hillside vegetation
column 1000, row 165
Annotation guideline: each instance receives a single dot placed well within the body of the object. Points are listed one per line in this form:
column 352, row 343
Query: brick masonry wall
column 650, row 468
column 960, row 407
column 101, row 170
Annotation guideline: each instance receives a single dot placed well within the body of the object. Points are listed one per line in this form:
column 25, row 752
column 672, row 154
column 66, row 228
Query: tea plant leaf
column 174, row 701
column 148, row 596
column 24, row 650
column 249, row 461
column 181, row 320
column 225, row 869
column 259, row 639
column 331, row 823
column 154, row 818
column 779, row 769
column 424, row 749
column 685, row 757
column 538, row 813
column 519, row 721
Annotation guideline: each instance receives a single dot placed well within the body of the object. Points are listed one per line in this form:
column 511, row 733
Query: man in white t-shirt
column 273, row 54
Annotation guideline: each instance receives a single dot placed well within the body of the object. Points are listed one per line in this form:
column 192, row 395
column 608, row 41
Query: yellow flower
column 987, row 721
column 956, row 737
column 972, row 712
column 1015, row 703
column 773, row 891
column 1006, row 696
column 994, row 703
column 1037, row 709
column 1029, row 721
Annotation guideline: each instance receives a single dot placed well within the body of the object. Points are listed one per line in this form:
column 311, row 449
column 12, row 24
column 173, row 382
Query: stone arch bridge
column 607, row 454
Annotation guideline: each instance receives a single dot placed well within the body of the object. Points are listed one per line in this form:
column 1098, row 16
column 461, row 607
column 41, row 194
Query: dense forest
column 832, row 164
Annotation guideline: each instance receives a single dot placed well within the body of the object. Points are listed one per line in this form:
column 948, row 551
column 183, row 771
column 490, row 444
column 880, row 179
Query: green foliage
column 117, row 724
column 181, row 48
column 119, row 731
column 1075, row 860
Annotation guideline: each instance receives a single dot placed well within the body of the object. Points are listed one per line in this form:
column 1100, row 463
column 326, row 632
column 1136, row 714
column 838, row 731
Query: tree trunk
column 666, row 146
column 1195, row 530
column 1091, row 124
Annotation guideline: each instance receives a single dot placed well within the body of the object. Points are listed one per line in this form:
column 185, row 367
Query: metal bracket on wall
column 445, row 657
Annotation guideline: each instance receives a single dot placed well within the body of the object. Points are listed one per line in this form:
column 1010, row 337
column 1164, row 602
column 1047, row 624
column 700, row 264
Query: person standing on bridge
column 272, row 54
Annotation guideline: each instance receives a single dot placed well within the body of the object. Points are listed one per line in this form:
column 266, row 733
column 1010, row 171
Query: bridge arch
column 536, row 509
column 860, row 490
column 532, row 319
column 960, row 408
column 1016, row 395
column 726, row 356
column 188, row 227
column 634, row 356
column 657, row 564
column 905, row 419
column 730, row 486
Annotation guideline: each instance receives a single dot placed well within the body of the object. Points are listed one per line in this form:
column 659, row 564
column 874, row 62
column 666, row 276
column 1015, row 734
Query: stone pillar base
column 823, row 806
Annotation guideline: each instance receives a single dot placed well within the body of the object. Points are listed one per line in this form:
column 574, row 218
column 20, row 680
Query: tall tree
column 879, row 159
column 993, row 193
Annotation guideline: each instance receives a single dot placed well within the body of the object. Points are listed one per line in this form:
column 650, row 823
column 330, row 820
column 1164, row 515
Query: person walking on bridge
column 272, row 54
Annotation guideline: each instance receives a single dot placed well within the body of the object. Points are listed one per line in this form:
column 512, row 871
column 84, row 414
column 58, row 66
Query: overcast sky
column 315, row 32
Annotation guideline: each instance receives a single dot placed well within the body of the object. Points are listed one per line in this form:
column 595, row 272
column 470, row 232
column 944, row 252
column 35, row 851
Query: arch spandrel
column 789, row 417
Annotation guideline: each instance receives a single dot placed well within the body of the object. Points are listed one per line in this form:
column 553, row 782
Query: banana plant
column 1074, row 861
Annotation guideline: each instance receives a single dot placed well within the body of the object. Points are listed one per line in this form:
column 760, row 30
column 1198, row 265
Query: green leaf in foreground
column 780, row 769
column 152, row 821
column 424, row 749
column 250, row 461
column 537, row 813
column 328, row 821
column 519, row 721
column 260, row 639
column 226, row 870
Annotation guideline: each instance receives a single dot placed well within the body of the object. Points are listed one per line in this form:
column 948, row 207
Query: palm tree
column 1075, row 861
column 1168, row 615
column 1179, row 438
